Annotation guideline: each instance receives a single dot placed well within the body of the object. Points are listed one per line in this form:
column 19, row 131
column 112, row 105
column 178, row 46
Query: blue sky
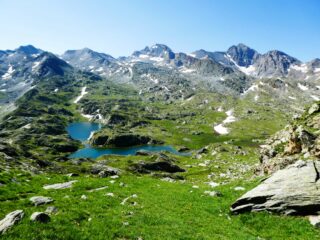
column 119, row 27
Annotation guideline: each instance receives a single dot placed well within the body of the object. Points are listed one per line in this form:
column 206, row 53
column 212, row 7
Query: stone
column 314, row 108
column 51, row 210
column 109, row 194
column 84, row 197
column 203, row 151
column 239, row 188
column 104, row 171
column 40, row 200
column 10, row 220
column 315, row 220
column 213, row 193
column 126, row 199
column 60, row 185
column 98, row 189
column 40, row 217
column 294, row 190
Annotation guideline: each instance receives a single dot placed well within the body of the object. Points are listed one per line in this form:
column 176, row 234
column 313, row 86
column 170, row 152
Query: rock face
column 294, row 190
column 60, row 185
column 301, row 139
column 243, row 55
column 10, row 220
column 40, row 217
column 39, row 200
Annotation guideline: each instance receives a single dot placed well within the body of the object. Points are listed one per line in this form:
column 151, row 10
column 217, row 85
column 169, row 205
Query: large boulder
column 294, row 190
column 10, row 220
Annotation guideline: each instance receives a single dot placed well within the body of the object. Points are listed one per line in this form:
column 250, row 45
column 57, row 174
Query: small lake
column 82, row 130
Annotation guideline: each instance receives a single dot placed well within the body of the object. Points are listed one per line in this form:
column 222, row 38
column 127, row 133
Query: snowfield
column 220, row 128
column 83, row 92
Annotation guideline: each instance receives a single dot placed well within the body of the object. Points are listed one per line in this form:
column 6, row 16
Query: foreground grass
column 162, row 210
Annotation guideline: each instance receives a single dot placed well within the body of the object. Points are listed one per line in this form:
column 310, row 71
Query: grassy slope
column 164, row 210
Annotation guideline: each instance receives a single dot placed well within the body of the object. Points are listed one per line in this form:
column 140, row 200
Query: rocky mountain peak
column 156, row 50
column 28, row 50
column 274, row 63
column 243, row 55
column 48, row 64
column 315, row 63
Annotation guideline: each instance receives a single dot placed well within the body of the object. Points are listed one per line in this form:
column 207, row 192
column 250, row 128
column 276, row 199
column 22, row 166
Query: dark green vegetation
column 34, row 149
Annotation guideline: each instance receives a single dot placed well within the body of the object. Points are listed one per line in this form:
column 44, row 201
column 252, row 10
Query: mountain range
column 158, row 69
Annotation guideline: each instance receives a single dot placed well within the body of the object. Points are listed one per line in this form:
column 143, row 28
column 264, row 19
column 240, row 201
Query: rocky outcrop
column 99, row 139
column 294, row 190
column 104, row 171
column 121, row 139
column 10, row 220
column 127, row 140
column 301, row 139
column 163, row 164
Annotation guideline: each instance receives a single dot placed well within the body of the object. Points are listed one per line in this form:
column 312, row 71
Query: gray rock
column 51, row 210
column 315, row 221
column 107, row 172
column 60, row 185
column 40, row 200
column 10, row 220
column 314, row 108
column 40, row 217
column 203, row 150
column 291, row 191
column 104, row 171
column 98, row 189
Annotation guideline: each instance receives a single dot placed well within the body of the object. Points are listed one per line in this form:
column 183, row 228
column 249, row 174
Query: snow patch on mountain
column 220, row 128
column 35, row 65
column 186, row 70
column 302, row 87
column 250, row 70
column 9, row 73
column 83, row 92
column 300, row 68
